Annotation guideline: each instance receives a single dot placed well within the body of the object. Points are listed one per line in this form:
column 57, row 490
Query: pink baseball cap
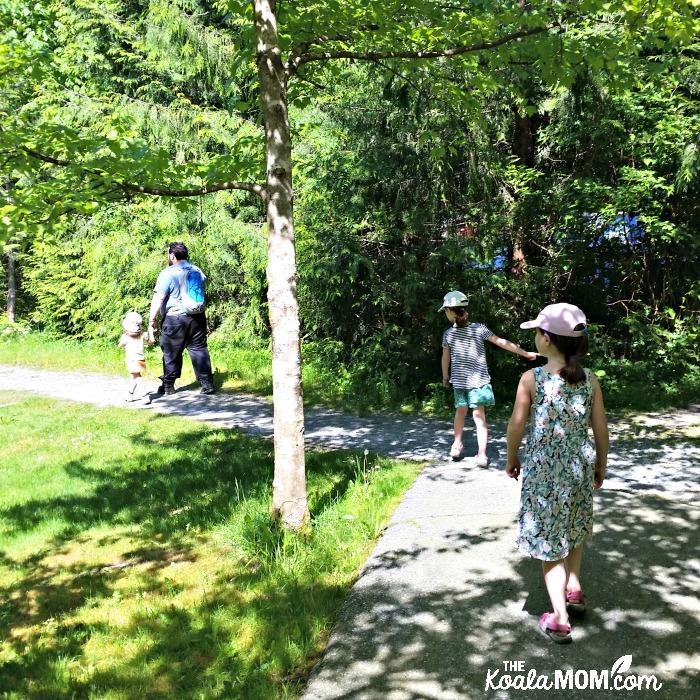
column 560, row 319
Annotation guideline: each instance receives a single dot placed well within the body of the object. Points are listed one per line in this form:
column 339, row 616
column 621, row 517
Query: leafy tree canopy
column 108, row 100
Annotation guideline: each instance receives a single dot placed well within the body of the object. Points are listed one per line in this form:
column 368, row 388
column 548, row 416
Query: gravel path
column 393, row 436
column 639, row 442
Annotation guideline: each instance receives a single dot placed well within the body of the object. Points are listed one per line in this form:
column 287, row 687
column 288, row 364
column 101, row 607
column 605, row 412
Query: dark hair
column 572, row 349
column 179, row 250
column 462, row 314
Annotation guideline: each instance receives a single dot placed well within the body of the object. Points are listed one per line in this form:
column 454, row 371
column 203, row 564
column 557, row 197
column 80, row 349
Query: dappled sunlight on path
column 394, row 436
column 649, row 451
column 445, row 599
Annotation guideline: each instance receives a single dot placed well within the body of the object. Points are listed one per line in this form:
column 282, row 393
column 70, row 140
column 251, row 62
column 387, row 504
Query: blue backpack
column 191, row 281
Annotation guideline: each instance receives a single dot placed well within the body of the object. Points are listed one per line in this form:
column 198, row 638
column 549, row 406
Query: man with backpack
column 179, row 298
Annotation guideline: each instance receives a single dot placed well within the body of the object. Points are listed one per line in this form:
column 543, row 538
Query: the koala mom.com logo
column 514, row 676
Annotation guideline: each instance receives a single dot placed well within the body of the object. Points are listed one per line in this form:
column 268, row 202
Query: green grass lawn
column 235, row 369
column 136, row 559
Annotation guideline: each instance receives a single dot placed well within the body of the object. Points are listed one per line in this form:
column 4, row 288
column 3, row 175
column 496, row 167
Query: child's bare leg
column 482, row 431
column 140, row 387
column 573, row 569
column 460, row 415
column 133, row 381
column 555, row 581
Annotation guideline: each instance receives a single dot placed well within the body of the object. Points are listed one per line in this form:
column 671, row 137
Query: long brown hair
column 572, row 349
column 462, row 320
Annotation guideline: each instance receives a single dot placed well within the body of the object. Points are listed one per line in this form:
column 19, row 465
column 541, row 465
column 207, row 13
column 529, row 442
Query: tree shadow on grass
column 156, row 506
column 172, row 651
column 161, row 496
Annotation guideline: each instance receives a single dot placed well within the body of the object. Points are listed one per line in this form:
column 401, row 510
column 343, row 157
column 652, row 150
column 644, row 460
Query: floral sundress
column 556, row 501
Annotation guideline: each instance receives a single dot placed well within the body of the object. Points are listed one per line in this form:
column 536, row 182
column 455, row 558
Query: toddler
column 132, row 341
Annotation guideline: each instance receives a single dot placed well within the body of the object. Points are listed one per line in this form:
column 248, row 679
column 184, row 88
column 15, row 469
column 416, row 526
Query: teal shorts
column 483, row 396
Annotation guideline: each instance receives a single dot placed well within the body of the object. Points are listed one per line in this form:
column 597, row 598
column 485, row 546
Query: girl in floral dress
column 561, row 466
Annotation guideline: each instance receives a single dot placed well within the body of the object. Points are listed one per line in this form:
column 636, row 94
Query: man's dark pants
column 180, row 332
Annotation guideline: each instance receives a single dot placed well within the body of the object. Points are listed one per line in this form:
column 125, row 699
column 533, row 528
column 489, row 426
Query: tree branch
column 160, row 191
column 197, row 192
column 313, row 83
column 45, row 159
column 294, row 63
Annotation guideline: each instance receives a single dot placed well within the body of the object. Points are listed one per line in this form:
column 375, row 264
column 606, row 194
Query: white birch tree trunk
column 289, row 501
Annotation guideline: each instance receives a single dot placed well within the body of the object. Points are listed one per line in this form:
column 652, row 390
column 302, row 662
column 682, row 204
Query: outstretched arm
column 518, row 420
column 512, row 347
column 601, row 435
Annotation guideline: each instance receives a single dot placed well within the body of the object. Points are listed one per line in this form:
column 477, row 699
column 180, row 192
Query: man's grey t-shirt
column 168, row 284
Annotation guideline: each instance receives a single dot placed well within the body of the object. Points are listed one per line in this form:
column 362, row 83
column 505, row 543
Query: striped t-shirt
column 468, row 368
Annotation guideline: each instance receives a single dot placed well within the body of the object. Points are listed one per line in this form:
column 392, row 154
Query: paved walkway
column 445, row 608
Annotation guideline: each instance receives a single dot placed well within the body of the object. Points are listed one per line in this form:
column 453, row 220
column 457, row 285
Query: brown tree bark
column 524, row 150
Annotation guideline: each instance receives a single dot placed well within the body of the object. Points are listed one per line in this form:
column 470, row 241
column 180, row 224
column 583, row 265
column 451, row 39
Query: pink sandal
column 550, row 628
column 576, row 602
column 456, row 451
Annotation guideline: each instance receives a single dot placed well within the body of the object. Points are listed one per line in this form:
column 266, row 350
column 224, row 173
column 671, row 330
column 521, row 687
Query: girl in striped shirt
column 464, row 369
